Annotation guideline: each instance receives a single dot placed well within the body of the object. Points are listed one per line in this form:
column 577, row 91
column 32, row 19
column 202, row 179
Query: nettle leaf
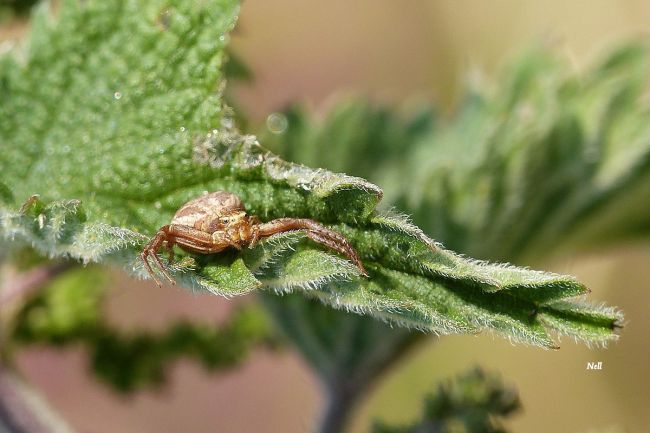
column 474, row 401
column 547, row 158
column 114, row 118
column 360, row 138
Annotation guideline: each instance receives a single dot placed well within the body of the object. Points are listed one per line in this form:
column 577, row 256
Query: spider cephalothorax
column 216, row 221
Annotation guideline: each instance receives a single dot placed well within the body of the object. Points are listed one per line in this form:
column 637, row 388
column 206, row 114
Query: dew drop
column 182, row 129
column 277, row 123
column 222, row 38
column 117, row 95
column 157, row 205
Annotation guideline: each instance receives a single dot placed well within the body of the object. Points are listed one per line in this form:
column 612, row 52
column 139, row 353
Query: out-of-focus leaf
column 550, row 158
column 355, row 137
column 69, row 312
column 115, row 119
column 474, row 402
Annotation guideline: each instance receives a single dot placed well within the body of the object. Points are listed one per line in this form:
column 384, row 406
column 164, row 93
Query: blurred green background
column 396, row 53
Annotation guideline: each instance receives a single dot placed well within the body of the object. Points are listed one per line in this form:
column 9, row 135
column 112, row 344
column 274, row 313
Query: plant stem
column 23, row 411
column 340, row 405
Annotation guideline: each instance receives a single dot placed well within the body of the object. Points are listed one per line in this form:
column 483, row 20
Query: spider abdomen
column 206, row 213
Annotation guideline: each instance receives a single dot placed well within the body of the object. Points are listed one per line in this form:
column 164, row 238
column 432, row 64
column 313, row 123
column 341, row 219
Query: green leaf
column 473, row 402
column 69, row 312
column 448, row 175
column 66, row 310
column 583, row 322
column 115, row 120
column 360, row 138
column 548, row 158
column 6, row 197
column 343, row 348
column 10, row 9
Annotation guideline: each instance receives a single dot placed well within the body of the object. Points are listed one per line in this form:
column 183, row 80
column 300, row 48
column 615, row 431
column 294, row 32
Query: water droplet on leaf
column 277, row 123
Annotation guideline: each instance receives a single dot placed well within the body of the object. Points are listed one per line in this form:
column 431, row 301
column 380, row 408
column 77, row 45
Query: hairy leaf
column 473, row 402
column 416, row 160
column 547, row 159
column 116, row 129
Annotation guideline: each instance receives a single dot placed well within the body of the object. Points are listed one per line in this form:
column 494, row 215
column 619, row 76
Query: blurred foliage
column 68, row 312
column 24, row 258
column 341, row 347
column 547, row 155
column 235, row 69
column 545, row 158
column 355, row 137
column 9, row 9
column 473, row 402
column 66, row 309
column 139, row 129
column 119, row 106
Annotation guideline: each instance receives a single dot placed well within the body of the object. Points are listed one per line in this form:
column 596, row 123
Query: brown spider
column 216, row 221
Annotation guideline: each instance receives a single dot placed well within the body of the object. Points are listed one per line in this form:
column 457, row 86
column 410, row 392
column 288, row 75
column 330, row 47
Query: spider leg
column 169, row 245
column 195, row 241
column 235, row 245
column 255, row 236
column 315, row 232
column 151, row 251
column 162, row 267
column 145, row 261
column 340, row 246
column 187, row 238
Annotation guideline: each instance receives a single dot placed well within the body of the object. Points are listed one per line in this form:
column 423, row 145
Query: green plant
column 115, row 118
column 472, row 402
